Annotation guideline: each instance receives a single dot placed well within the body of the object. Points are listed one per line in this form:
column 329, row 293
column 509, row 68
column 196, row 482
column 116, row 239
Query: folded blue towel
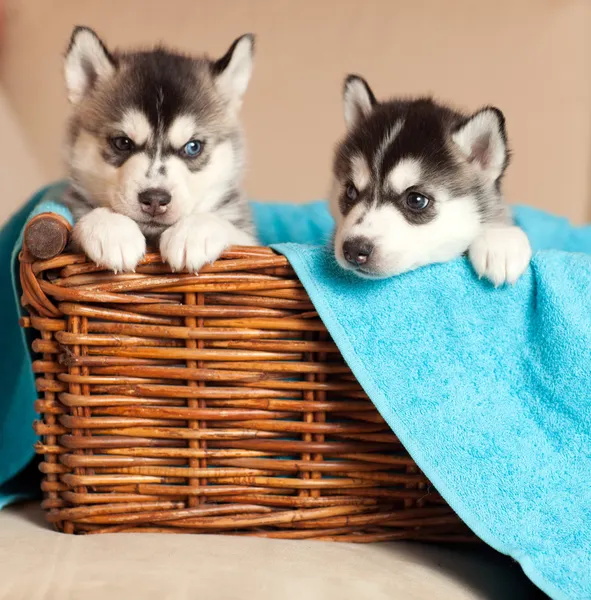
column 488, row 389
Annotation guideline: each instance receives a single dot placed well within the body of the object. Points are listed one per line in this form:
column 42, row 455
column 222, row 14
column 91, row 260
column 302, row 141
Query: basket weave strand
column 210, row 403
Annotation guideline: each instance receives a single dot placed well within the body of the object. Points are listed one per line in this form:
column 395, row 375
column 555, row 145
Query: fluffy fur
column 155, row 150
column 416, row 183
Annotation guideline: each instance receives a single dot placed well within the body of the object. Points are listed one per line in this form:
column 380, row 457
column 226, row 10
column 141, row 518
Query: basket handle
column 46, row 235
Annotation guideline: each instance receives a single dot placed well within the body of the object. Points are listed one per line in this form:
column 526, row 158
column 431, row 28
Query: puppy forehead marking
column 405, row 174
column 360, row 173
column 181, row 130
column 390, row 136
column 135, row 124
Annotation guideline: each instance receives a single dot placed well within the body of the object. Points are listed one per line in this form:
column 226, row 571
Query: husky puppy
column 417, row 183
column 155, row 150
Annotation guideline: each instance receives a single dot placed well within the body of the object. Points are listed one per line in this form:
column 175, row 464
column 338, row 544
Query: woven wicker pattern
column 210, row 404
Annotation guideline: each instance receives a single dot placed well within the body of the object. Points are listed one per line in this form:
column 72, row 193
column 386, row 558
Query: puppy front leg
column 501, row 253
column 200, row 239
column 110, row 239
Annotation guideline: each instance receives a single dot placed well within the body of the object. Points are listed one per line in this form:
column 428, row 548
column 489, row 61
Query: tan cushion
column 38, row 563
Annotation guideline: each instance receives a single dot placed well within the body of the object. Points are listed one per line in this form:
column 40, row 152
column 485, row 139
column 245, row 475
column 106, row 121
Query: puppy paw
column 110, row 239
column 195, row 241
column 501, row 254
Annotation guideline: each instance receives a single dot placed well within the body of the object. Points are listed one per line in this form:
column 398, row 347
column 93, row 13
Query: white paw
column 501, row 254
column 195, row 241
column 110, row 239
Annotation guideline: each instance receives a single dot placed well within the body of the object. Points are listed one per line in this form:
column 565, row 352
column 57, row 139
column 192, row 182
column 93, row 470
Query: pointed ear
column 232, row 72
column 483, row 141
column 358, row 100
column 87, row 62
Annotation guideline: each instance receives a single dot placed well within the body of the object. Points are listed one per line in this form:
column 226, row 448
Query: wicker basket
column 209, row 404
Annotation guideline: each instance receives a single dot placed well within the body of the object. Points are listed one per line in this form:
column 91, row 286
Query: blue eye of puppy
column 192, row 149
column 351, row 192
column 122, row 143
column 417, row 201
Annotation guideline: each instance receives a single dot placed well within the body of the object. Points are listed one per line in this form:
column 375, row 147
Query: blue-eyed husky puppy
column 155, row 150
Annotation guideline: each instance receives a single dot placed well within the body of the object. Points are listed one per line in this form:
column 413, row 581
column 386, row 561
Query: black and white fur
column 417, row 183
column 155, row 150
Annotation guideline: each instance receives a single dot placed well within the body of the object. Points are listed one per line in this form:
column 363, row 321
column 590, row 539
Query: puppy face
column 413, row 182
column 155, row 135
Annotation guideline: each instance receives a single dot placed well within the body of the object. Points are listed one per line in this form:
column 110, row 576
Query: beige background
column 532, row 58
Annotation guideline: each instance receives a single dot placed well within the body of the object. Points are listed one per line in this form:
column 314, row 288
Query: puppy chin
column 379, row 271
column 365, row 273
column 132, row 210
column 370, row 275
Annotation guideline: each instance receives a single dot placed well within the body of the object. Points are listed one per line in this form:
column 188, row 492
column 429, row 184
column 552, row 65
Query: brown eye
column 122, row 143
column 417, row 201
column 351, row 192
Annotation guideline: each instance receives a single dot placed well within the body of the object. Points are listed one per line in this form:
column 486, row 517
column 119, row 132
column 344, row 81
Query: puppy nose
column 154, row 200
column 357, row 250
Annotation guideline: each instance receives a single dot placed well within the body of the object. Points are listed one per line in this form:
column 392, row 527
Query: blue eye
column 192, row 148
column 417, row 201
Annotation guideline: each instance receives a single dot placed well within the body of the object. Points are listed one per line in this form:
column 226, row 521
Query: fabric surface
column 488, row 389
column 18, row 396
column 148, row 566
column 277, row 223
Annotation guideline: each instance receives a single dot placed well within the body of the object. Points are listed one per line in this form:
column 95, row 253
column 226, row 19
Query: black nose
column 154, row 200
column 357, row 250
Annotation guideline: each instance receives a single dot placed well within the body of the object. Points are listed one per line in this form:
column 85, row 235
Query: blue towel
column 489, row 390
column 18, row 394
column 277, row 223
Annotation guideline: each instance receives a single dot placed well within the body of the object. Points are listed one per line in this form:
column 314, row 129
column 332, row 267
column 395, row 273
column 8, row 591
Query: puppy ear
column 87, row 63
column 232, row 72
column 483, row 141
column 358, row 100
